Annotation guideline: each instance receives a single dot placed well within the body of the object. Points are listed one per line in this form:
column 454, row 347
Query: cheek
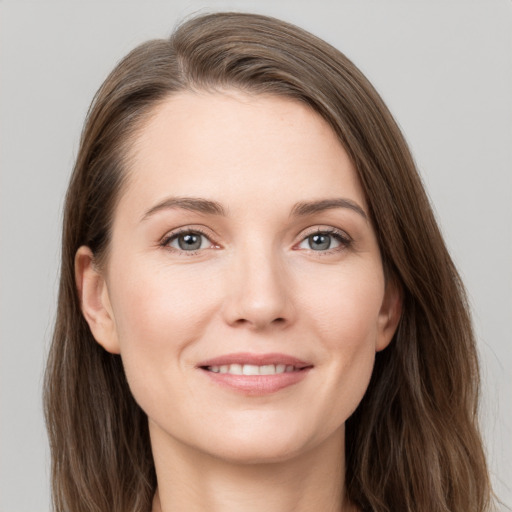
column 158, row 313
column 159, row 301
column 346, row 312
column 346, row 318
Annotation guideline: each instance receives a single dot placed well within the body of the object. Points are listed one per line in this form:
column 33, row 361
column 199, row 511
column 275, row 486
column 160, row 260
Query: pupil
column 320, row 242
column 189, row 242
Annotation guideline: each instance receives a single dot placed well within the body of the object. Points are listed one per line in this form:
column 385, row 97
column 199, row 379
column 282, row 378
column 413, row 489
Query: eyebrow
column 311, row 207
column 194, row 204
column 208, row 207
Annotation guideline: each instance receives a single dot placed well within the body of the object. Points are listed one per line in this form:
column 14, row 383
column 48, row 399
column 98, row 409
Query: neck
column 194, row 481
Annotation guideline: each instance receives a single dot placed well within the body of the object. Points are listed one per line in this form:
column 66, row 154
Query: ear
column 95, row 301
column 389, row 314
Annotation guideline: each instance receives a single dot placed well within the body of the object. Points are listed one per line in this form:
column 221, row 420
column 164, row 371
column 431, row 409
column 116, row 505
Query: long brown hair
column 413, row 443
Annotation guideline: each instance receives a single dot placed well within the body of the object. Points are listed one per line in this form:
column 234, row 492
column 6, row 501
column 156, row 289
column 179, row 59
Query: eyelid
column 330, row 230
column 193, row 229
column 344, row 238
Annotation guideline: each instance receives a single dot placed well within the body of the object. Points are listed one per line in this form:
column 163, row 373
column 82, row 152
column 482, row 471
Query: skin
column 257, row 284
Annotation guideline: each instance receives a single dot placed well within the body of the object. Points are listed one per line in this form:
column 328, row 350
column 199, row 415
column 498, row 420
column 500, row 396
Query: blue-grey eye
column 320, row 242
column 189, row 241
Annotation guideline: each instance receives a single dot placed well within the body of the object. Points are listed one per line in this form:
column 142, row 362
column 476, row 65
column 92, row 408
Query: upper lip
column 255, row 359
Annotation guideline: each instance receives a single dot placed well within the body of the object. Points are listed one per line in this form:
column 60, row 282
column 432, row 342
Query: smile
column 252, row 369
column 255, row 374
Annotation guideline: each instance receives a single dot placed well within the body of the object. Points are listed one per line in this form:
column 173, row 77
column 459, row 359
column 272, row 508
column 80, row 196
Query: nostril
column 245, row 321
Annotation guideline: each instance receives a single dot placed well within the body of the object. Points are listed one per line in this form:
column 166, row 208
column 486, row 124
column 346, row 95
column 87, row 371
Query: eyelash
column 183, row 231
column 344, row 240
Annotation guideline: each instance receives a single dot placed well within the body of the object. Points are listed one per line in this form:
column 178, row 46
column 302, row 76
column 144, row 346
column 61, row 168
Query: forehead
column 232, row 146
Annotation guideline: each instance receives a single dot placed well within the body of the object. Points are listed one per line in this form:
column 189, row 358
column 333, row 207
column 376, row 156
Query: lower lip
column 256, row 385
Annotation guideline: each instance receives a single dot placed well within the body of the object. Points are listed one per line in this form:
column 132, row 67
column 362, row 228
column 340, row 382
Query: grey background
column 443, row 67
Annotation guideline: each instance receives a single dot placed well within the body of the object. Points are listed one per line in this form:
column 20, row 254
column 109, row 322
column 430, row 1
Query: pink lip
column 256, row 359
column 256, row 385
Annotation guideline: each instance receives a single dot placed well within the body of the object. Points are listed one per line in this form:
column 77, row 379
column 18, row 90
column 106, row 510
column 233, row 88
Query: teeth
column 252, row 369
column 267, row 369
column 234, row 369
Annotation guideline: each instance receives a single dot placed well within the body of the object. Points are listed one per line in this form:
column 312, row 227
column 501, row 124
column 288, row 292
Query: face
column 244, row 287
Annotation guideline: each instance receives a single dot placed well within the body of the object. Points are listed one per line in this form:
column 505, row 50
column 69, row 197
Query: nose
column 259, row 292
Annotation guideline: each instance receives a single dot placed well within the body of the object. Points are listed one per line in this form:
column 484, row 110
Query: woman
column 256, row 306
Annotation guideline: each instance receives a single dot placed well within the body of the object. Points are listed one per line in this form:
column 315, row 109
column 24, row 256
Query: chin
column 265, row 446
column 254, row 453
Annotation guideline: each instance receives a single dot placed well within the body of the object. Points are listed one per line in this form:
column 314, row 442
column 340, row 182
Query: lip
column 256, row 385
column 257, row 359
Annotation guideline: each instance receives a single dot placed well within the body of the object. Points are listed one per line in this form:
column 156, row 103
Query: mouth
column 255, row 374
column 252, row 369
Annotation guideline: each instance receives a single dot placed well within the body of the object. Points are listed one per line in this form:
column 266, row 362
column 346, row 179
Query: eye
column 324, row 241
column 188, row 241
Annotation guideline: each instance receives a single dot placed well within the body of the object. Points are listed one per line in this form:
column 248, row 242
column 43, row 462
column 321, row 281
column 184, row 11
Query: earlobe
column 389, row 315
column 95, row 301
